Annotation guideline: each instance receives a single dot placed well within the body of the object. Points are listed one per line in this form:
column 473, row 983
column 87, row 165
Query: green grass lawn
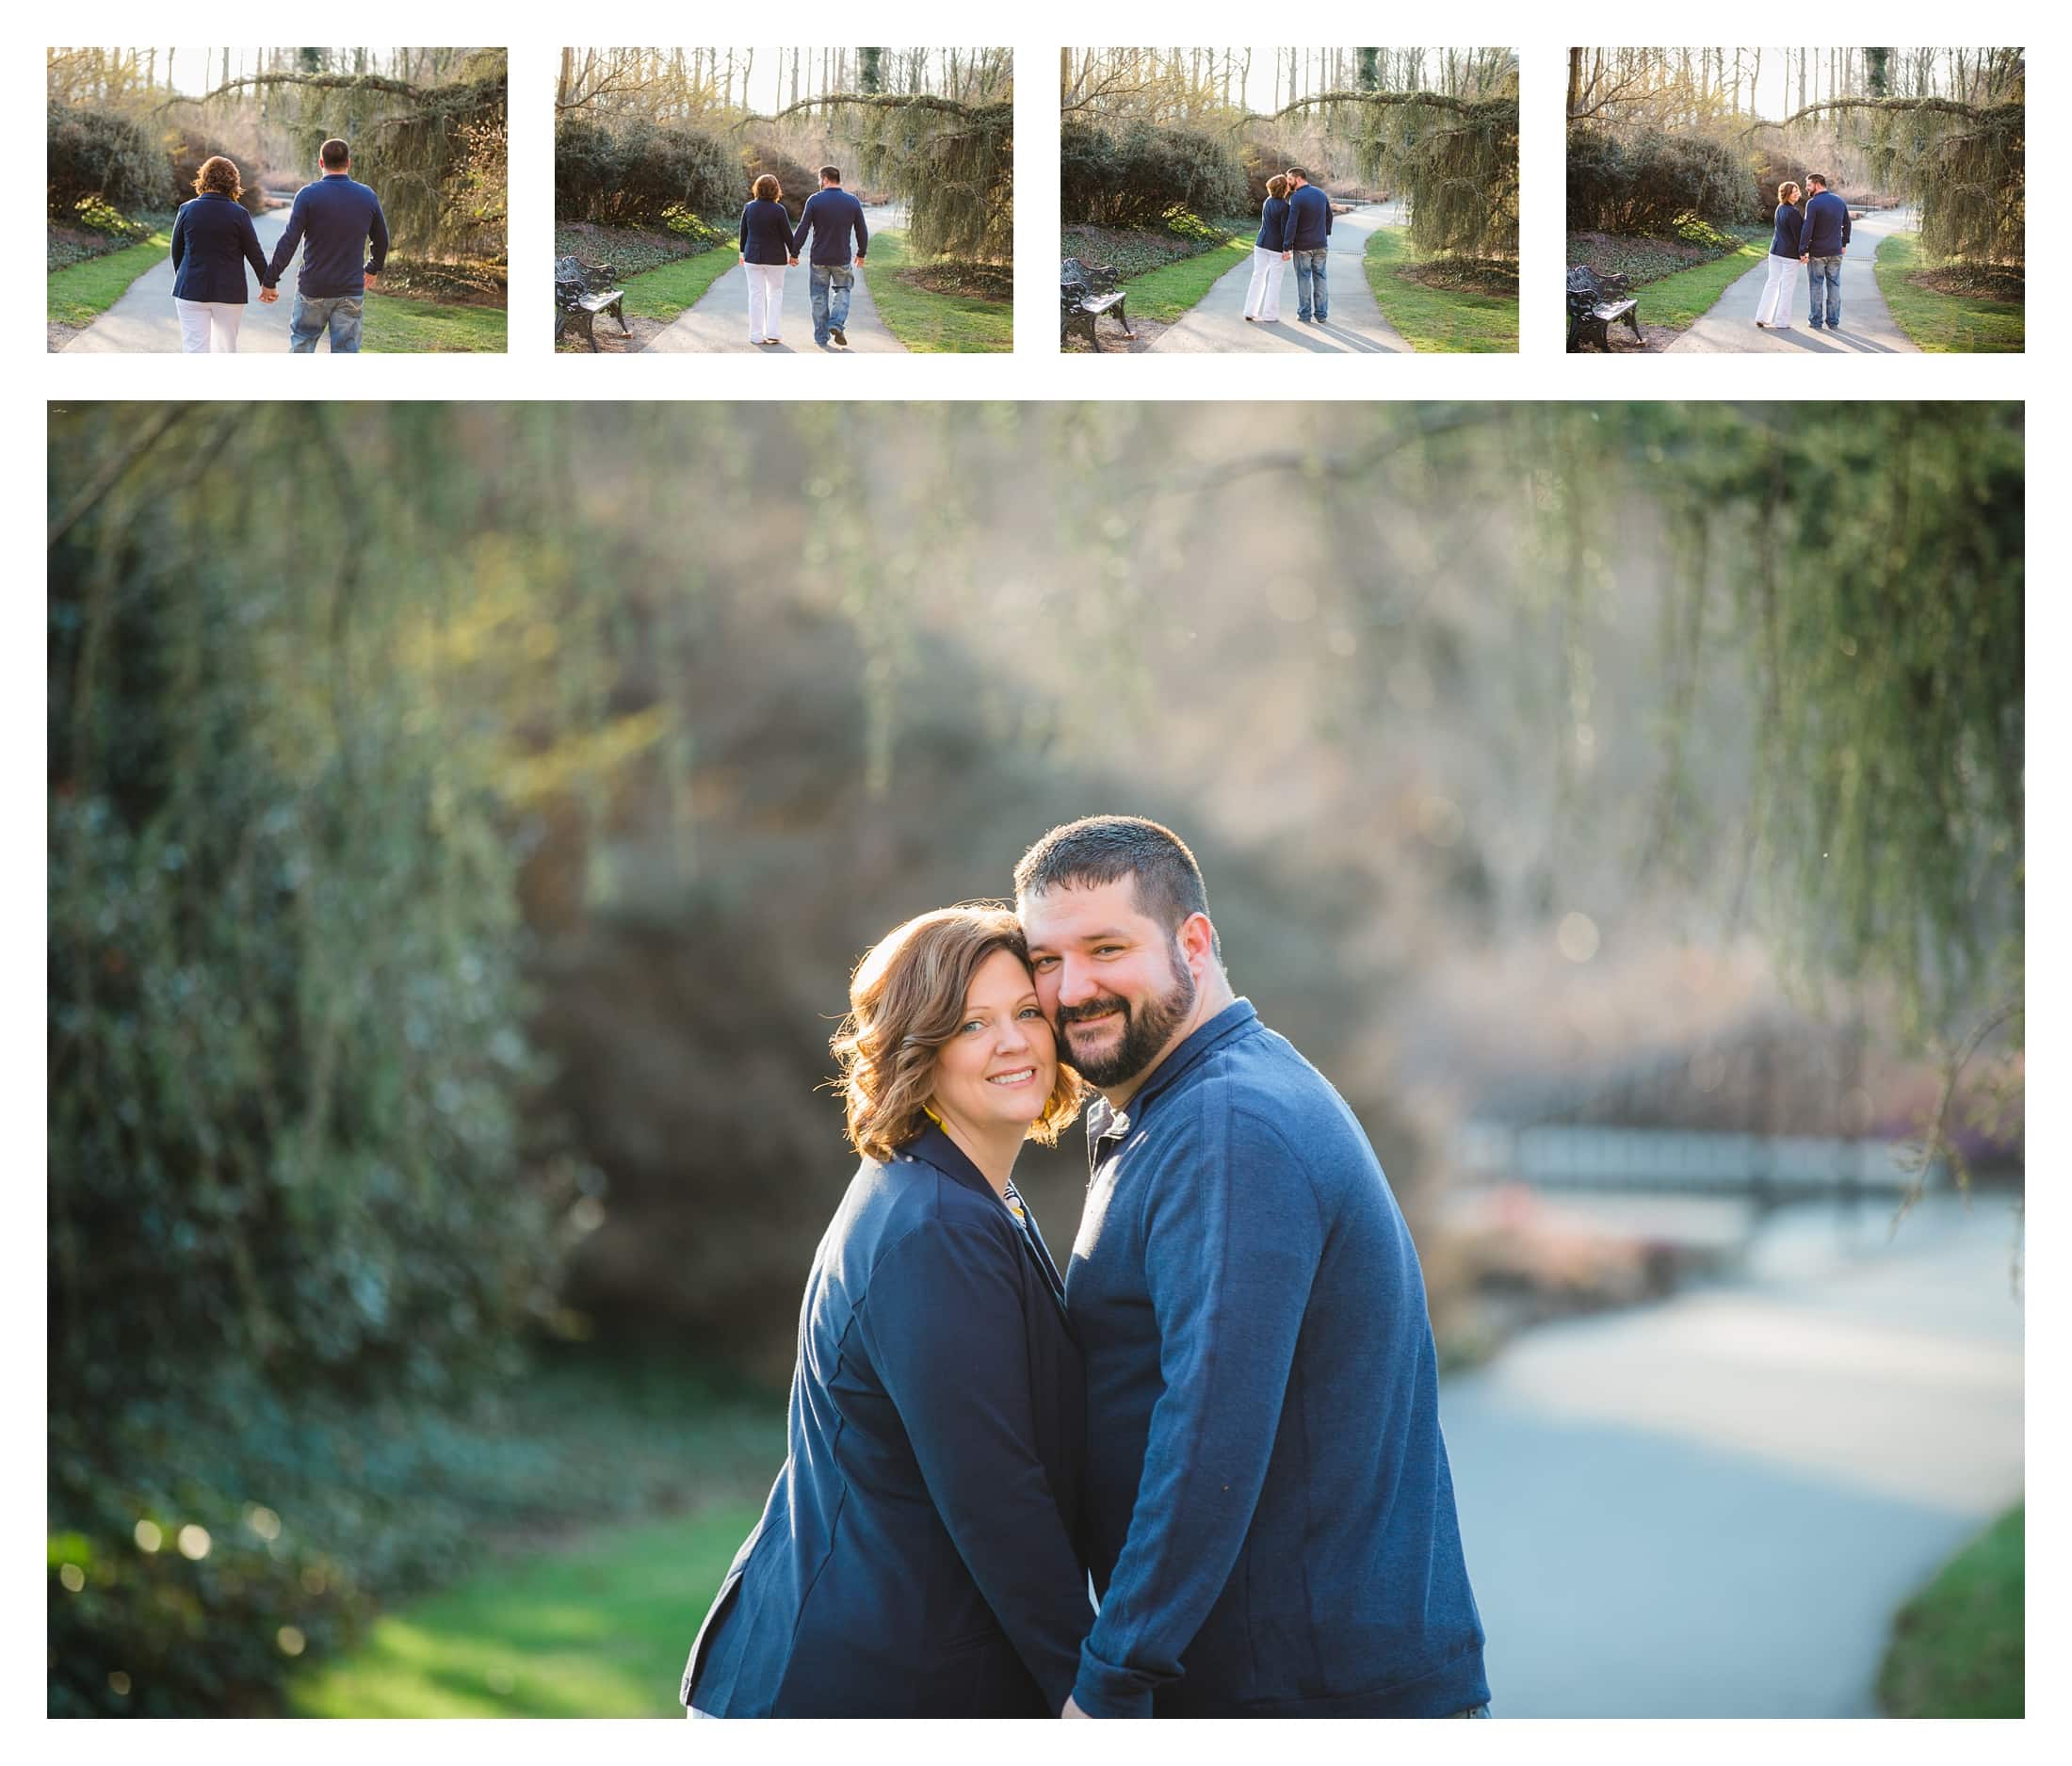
column 1942, row 324
column 1957, row 1646
column 392, row 325
column 80, row 293
column 596, row 1628
column 1453, row 319
column 1172, row 289
column 1679, row 301
column 674, row 289
column 925, row 320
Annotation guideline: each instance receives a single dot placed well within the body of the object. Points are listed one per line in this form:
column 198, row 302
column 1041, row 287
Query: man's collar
column 1104, row 1119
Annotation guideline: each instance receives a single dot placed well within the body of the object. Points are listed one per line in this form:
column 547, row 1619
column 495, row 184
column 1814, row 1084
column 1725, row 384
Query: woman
column 765, row 248
column 213, row 238
column 1270, row 254
column 1782, row 262
column 917, row 1554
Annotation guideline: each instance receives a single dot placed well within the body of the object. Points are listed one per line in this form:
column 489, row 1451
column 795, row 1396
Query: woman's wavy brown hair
column 1276, row 185
column 906, row 1000
column 767, row 188
column 1788, row 191
column 218, row 177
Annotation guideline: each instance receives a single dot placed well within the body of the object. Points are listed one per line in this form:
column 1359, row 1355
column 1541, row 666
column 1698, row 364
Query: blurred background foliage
column 463, row 819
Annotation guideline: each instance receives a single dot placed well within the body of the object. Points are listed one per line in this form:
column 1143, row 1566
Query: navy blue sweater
column 1310, row 220
column 213, row 239
column 334, row 220
column 1270, row 1512
column 918, row 1556
column 1273, row 224
column 831, row 217
column 1826, row 230
column 1785, row 242
column 766, row 233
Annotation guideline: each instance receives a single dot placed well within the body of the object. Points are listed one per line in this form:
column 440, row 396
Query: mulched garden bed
column 1650, row 260
column 1990, row 281
column 1130, row 253
column 981, row 281
column 455, row 284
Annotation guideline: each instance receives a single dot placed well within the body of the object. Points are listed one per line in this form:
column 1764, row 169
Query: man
column 1270, row 1514
column 830, row 218
column 1824, row 239
column 338, row 223
column 1308, row 238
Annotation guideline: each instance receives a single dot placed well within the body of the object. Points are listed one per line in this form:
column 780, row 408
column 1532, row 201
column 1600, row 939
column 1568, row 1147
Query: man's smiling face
column 1108, row 975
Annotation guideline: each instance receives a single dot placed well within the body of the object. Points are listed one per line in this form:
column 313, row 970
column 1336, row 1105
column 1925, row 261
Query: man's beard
column 1144, row 1032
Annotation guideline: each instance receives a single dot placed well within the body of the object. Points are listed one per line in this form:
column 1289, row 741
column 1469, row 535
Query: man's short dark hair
column 832, row 174
column 1817, row 177
column 1099, row 850
column 335, row 153
column 1296, row 172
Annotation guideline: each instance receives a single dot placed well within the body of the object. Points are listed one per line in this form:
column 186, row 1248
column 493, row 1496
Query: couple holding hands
column 768, row 242
column 338, row 223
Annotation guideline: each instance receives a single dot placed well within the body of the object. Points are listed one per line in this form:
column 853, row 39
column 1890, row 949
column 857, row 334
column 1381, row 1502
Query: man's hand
column 1286, row 256
column 372, row 279
column 1072, row 1709
column 793, row 262
column 858, row 258
column 269, row 296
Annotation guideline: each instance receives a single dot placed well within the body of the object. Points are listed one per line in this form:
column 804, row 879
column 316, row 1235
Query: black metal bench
column 1597, row 302
column 1085, row 291
column 582, row 290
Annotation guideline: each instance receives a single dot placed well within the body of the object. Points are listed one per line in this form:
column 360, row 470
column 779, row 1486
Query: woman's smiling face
column 1001, row 1062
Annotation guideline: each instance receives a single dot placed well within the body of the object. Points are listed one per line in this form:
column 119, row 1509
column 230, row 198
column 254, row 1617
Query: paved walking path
column 1713, row 1508
column 1216, row 325
column 720, row 319
column 1866, row 327
column 144, row 319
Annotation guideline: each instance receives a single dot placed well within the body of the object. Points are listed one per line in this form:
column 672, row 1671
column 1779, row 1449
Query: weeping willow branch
column 1962, row 164
column 952, row 163
column 1456, row 160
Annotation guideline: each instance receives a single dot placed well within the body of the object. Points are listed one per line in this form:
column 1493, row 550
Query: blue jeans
column 1829, row 269
column 314, row 315
column 830, row 284
column 1310, row 293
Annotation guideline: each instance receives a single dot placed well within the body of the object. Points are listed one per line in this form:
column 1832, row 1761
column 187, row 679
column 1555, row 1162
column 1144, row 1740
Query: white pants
column 1776, row 296
column 209, row 327
column 766, row 300
column 1263, row 297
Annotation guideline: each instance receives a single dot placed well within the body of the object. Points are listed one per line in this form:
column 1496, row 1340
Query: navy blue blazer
column 1785, row 241
column 1273, row 225
column 213, row 239
column 918, row 1555
column 766, row 233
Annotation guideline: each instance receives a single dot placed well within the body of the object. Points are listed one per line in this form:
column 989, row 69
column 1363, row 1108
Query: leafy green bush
column 1132, row 178
column 1184, row 225
column 686, row 225
column 104, row 153
column 630, row 174
column 1693, row 231
column 1644, row 185
column 101, row 217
